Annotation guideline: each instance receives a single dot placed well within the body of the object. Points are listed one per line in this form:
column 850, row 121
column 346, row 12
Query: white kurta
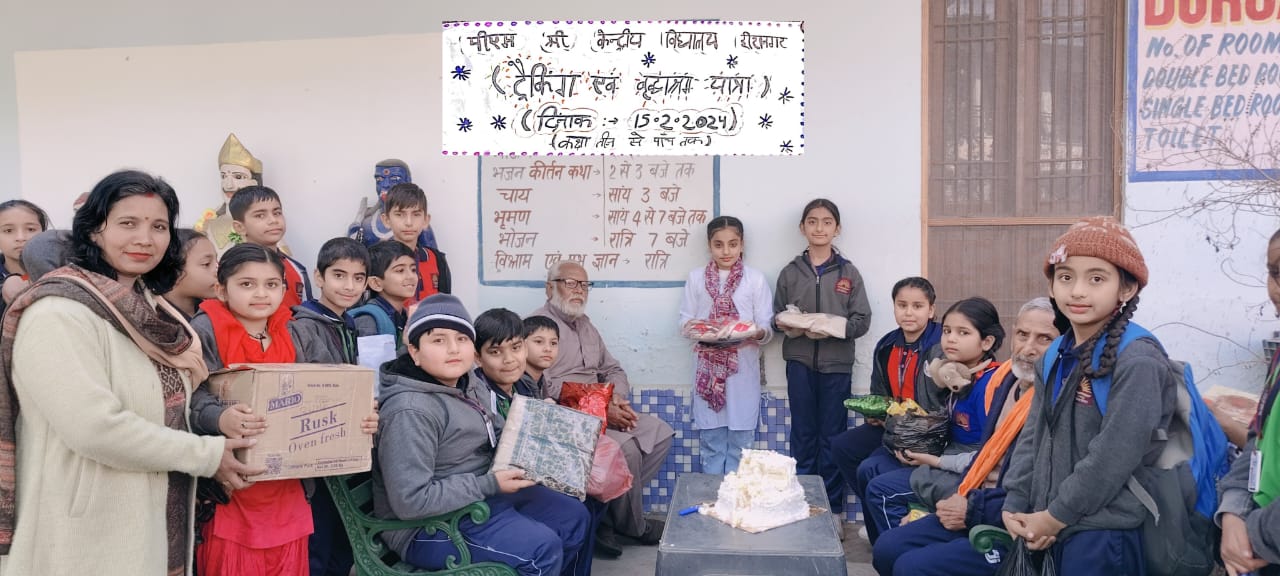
column 754, row 301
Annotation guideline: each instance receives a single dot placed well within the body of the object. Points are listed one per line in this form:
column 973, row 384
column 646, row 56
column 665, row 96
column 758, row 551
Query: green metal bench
column 353, row 496
column 985, row 537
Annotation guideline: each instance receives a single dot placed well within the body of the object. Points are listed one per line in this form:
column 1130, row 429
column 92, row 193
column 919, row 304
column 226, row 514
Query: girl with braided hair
column 1067, row 479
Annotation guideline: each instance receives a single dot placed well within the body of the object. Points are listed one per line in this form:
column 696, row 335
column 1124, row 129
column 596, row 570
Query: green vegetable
column 871, row 406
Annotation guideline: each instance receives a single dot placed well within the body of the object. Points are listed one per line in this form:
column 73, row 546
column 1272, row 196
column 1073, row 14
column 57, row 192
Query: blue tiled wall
column 675, row 407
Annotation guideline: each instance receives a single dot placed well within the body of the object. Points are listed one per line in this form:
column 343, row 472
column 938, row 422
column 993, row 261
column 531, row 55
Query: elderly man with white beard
column 584, row 357
column 939, row 543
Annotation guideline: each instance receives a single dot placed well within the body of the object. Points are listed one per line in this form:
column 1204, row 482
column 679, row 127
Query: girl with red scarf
column 263, row 528
column 726, row 294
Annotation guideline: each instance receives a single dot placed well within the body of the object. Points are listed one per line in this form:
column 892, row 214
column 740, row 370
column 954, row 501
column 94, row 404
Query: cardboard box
column 313, row 416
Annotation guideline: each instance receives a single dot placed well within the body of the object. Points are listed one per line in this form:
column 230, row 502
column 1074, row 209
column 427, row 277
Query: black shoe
column 607, row 545
column 652, row 532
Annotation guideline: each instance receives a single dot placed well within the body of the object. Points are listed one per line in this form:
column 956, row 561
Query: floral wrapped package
column 554, row 445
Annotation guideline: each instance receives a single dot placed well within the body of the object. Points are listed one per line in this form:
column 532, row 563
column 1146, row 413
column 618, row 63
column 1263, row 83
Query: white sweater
column 93, row 450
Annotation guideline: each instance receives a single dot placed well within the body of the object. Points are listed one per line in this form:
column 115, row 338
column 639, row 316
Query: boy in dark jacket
column 324, row 333
column 405, row 213
column 322, row 330
column 393, row 280
column 542, row 345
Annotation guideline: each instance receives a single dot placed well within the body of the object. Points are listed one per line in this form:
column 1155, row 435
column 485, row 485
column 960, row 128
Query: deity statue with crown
column 238, row 169
column 368, row 226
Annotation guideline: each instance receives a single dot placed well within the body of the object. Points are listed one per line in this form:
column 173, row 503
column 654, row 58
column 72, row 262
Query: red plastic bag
column 610, row 477
column 591, row 398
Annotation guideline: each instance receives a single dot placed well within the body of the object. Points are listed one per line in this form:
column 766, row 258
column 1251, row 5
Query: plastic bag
column 796, row 323
column 1024, row 562
column 610, row 477
column 871, row 405
column 591, row 398
column 708, row 331
column 927, row 434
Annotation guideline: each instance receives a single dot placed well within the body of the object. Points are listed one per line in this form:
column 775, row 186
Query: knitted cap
column 1101, row 237
column 438, row 311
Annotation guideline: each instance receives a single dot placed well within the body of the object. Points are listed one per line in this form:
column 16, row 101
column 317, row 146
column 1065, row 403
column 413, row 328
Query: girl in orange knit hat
column 1067, row 479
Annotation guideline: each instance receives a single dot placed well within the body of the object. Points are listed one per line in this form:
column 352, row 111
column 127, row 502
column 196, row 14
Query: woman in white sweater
column 96, row 459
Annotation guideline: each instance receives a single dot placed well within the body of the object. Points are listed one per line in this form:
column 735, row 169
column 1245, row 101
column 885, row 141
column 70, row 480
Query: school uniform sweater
column 835, row 288
column 1073, row 461
column 909, row 359
column 94, row 453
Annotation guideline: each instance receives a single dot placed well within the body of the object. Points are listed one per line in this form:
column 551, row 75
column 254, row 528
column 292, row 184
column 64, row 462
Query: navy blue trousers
column 879, row 462
column 329, row 550
column 1101, row 553
column 925, row 548
column 537, row 531
column 889, row 497
column 595, row 510
column 817, row 414
column 850, row 448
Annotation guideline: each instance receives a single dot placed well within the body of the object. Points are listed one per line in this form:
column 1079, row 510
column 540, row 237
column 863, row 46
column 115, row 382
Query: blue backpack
column 380, row 317
column 1183, row 487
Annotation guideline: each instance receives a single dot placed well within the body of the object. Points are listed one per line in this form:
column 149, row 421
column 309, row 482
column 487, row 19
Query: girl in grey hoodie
column 1067, row 478
column 820, row 368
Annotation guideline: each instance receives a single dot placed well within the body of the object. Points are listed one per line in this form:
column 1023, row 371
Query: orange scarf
column 996, row 447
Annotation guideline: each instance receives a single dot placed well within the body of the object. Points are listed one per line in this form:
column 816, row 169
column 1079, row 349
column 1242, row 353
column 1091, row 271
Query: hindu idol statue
column 238, row 169
column 368, row 227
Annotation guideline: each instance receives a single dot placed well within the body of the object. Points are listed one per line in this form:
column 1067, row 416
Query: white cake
column 764, row 493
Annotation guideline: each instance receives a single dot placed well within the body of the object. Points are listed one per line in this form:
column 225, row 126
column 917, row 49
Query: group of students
column 1031, row 448
column 1029, row 451
column 1048, row 444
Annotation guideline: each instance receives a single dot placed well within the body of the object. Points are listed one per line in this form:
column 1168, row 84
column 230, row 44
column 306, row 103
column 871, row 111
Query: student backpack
column 1178, row 536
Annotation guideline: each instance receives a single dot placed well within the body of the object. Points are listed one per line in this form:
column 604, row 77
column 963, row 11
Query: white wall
column 313, row 112
column 1208, row 305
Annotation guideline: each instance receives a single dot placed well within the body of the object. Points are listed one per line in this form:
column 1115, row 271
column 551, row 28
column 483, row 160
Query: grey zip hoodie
column 839, row 291
column 433, row 452
column 1074, row 463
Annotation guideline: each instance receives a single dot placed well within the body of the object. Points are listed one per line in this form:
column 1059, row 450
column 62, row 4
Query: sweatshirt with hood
column 834, row 288
column 433, row 450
